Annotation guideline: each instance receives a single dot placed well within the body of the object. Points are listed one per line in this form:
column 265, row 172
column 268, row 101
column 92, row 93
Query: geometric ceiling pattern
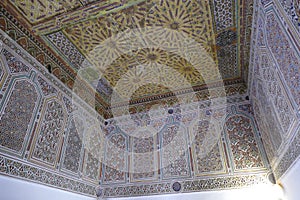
column 79, row 35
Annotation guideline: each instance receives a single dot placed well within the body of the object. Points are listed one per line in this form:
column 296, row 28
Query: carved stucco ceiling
column 83, row 34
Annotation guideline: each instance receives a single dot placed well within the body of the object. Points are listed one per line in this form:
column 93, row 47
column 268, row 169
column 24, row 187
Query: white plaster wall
column 291, row 182
column 261, row 192
column 16, row 189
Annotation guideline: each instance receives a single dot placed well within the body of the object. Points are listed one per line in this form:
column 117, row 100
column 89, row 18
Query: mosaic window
column 243, row 144
column 46, row 148
column 17, row 115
